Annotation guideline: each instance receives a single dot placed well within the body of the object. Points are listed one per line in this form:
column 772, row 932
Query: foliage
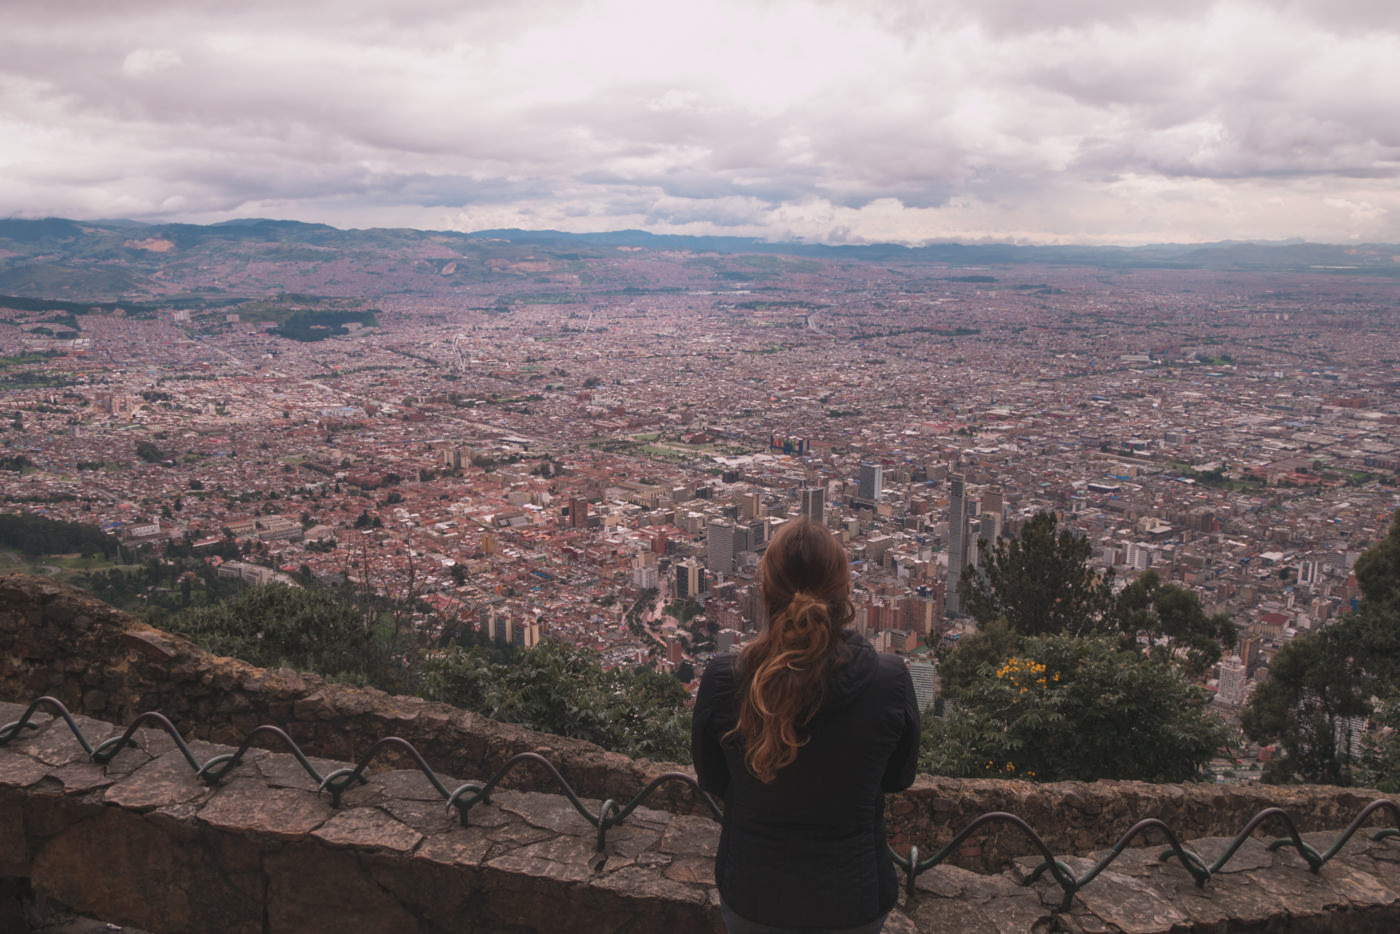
column 961, row 669
column 17, row 463
column 553, row 687
column 1039, row 582
column 1378, row 568
column 1074, row 708
column 1319, row 682
column 1380, row 758
column 276, row 626
column 149, row 453
column 37, row 535
column 1173, row 622
column 312, row 326
column 560, row 689
column 1316, row 684
column 682, row 611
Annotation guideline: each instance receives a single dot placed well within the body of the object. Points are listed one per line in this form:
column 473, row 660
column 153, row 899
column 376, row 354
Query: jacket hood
column 857, row 663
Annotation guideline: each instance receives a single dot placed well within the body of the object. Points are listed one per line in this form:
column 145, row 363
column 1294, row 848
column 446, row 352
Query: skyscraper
column 871, row 482
column 957, row 538
column 690, row 579
column 993, row 502
column 925, row 678
column 750, row 506
column 719, row 541
column 813, row 504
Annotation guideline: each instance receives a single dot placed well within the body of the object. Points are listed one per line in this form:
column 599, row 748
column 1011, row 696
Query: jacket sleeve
column 904, row 761
column 711, row 768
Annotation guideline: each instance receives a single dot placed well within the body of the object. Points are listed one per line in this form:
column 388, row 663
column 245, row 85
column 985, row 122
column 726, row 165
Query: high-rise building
column 719, row 546
column 993, row 505
column 813, row 504
column 502, row 629
column 957, row 538
column 748, row 536
column 525, row 634
column 925, row 678
column 578, row 513
column 1139, row 556
column 1234, row 683
column 690, row 579
column 871, row 482
column 750, row 506
column 675, row 651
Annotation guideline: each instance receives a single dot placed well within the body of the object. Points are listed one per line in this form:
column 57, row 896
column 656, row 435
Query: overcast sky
column 1072, row 121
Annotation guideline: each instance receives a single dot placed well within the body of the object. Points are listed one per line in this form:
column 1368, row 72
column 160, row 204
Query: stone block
column 127, row 869
column 315, row 889
column 14, row 917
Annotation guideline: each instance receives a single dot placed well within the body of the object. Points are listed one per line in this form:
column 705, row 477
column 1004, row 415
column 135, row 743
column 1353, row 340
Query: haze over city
column 1087, row 122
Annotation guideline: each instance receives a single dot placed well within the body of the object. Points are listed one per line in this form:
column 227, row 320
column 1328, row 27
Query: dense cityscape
column 595, row 449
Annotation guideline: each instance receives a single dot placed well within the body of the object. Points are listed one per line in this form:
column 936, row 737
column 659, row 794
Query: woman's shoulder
column 893, row 673
column 719, row 671
column 723, row 665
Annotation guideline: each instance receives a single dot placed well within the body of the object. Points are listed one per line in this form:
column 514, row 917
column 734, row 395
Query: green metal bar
column 660, row 780
column 604, row 822
column 10, row 730
column 483, row 793
column 341, row 779
column 1058, row 870
column 1151, row 823
column 213, row 771
column 108, row 749
column 1373, row 807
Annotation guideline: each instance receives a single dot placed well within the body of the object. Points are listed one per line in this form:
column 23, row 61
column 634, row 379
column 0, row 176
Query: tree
column 1316, row 685
column 149, row 453
column 564, row 690
column 975, row 652
column 1173, row 622
column 1319, row 684
column 276, row 625
column 1040, row 582
column 1378, row 568
column 1077, row 709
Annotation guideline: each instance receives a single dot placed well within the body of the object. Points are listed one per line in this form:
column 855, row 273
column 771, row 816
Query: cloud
column 145, row 61
column 1081, row 121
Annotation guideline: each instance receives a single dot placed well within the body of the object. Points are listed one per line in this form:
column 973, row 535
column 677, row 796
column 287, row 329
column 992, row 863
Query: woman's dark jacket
column 808, row 849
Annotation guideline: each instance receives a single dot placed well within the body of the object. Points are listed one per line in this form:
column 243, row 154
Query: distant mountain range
column 106, row 260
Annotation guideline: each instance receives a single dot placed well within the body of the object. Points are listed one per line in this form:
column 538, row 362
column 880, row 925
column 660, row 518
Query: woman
column 802, row 735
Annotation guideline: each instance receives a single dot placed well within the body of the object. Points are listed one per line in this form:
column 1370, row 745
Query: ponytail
column 805, row 578
column 786, row 674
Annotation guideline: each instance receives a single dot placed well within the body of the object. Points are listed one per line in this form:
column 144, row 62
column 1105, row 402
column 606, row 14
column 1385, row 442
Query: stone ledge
column 139, row 844
column 57, row 640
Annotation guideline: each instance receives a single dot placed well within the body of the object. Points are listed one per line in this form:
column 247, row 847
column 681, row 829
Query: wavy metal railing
column 610, row 814
column 1194, row 864
column 463, row 798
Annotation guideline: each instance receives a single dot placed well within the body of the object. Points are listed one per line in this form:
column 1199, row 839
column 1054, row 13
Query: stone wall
column 62, row 642
column 143, row 842
column 59, row 641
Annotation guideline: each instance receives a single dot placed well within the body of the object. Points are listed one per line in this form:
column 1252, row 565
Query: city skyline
column 1093, row 123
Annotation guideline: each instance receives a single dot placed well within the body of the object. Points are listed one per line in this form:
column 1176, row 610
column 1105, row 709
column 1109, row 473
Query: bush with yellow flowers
column 1069, row 708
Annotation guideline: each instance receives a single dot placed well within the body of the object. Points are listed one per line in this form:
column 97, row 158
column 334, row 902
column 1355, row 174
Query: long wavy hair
column 805, row 580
